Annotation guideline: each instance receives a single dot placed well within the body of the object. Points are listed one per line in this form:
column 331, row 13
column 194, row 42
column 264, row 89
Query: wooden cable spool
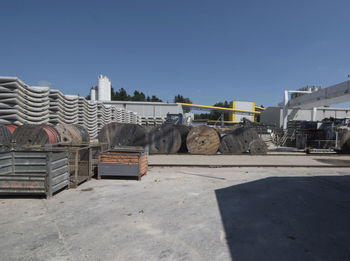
column 30, row 134
column 164, row 139
column 203, row 140
column 83, row 133
column 5, row 135
column 231, row 144
column 257, row 146
column 129, row 135
column 107, row 132
column 184, row 130
column 238, row 140
column 68, row 133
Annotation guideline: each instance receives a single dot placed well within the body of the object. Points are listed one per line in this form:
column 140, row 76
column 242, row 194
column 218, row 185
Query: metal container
column 123, row 162
column 33, row 172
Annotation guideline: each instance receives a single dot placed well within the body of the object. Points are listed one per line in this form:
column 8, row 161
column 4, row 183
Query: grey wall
column 149, row 109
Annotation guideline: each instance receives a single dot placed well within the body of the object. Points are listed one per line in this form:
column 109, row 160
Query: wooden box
column 123, row 162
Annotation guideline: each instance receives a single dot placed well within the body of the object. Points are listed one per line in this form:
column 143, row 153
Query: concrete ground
column 279, row 160
column 187, row 214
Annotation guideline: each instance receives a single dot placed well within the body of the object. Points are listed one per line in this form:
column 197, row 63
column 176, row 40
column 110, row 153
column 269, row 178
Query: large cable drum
column 107, row 132
column 11, row 127
column 231, row 144
column 203, row 140
column 68, row 133
column 164, row 139
column 344, row 141
column 129, row 135
column 238, row 140
column 257, row 146
column 83, row 133
column 30, row 134
column 184, row 130
column 52, row 133
column 5, row 135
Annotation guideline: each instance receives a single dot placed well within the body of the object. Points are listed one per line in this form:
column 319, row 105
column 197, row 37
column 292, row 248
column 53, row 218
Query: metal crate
column 33, row 172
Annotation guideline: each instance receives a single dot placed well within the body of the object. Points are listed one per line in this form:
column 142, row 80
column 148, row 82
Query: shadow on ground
column 288, row 218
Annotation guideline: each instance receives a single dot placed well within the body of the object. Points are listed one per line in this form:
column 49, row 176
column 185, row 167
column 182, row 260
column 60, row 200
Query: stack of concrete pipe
column 22, row 104
column 169, row 139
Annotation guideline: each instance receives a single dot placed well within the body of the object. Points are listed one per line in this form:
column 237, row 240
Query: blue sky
column 207, row 50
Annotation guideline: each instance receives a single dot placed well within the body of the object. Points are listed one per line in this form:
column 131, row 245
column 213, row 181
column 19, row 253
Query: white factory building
column 150, row 113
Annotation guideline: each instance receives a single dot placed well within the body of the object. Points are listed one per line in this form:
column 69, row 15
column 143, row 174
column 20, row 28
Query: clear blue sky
column 208, row 50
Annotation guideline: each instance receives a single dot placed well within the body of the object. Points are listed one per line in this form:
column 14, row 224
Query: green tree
column 182, row 99
column 155, row 99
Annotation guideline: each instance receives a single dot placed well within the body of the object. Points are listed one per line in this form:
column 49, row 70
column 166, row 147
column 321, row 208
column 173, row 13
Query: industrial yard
column 183, row 213
column 82, row 184
column 175, row 130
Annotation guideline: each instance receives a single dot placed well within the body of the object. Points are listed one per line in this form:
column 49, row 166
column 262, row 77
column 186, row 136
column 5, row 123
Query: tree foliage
column 122, row 95
column 214, row 115
column 180, row 98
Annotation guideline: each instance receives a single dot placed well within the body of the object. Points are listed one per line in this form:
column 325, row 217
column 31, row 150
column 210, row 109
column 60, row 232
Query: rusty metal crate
column 33, row 172
column 82, row 161
column 123, row 162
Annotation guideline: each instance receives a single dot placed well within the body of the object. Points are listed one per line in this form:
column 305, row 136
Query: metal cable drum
column 107, row 132
column 83, row 133
column 68, row 133
column 129, row 135
column 30, row 134
column 184, row 130
column 164, row 139
column 5, row 135
column 54, row 137
column 11, row 127
column 203, row 140
column 238, row 140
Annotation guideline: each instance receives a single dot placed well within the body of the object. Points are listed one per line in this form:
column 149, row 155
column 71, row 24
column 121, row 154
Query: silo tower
column 103, row 88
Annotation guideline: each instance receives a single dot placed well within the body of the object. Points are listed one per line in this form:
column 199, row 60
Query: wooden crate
column 123, row 162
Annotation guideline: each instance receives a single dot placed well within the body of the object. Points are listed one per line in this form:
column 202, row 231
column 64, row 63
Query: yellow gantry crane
column 237, row 110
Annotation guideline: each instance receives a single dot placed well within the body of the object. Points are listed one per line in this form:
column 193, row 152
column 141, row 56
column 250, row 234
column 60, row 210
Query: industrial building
column 310, row 103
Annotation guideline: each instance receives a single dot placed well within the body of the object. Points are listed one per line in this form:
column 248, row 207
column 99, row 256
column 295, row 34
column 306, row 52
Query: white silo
column 93, row 93
column 104, row 88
